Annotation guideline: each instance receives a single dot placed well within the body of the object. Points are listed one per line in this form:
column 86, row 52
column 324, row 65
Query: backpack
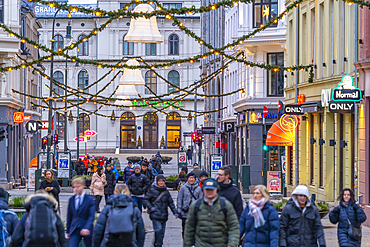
column 199, row 201
column 182, row 183
column 120, row 229
column 5, row 237
column 41, row 225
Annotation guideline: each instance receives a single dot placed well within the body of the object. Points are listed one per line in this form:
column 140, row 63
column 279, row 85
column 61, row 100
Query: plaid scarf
column 255, row 211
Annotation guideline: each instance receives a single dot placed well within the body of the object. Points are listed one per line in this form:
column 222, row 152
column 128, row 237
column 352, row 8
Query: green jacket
column 212, row 229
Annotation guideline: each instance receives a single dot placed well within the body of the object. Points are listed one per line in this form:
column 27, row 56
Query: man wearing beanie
column 138, row 184
column 203, row 175
column 10, row 217
column 188, row 193
column 157, row 200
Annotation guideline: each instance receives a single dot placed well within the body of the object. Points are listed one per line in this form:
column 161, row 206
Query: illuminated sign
column 341, row 107
column 288, row 122
column 90, row 133
column 18, row 117
column 293, row 109
column 156, row 103
column 346, row 91
column 301, row 98
column 81, row 139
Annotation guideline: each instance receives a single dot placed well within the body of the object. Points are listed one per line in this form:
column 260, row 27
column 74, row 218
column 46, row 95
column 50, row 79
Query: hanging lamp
column 132, row 76
column 143, row 30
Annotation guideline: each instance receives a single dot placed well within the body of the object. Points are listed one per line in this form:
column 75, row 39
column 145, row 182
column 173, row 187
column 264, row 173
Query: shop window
column 128, row 47
column 341, row 152
column 173, row 45
column 83, row 80
column 59, row 42
column 150, row 49
column 150, row 82
column 128, row 130
column 58, row 76
column 264, row 11
column 83, row 48
column 173, row 123
column 312, row 149
column 84, row 123
column 174, row 79
column 275, row 79
column 321, row 151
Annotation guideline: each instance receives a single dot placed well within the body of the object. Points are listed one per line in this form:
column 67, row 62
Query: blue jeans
column 139, row 202
column 159, row 230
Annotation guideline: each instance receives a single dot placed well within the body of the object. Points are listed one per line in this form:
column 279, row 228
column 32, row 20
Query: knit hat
column 160, row 176
column 137, row 166
column 203, row 173
column 2, row 193
column 191, row 174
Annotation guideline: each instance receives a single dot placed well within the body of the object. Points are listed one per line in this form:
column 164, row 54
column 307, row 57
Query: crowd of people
column 212, row 212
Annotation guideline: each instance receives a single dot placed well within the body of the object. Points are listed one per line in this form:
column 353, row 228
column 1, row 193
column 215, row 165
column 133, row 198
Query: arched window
column 83, row 48
column 59, row 42
column 173, row 116
column 173, row 46
column 127, row 116
column 83, row 79
column 174, row 78
column 128, row 47
column 60, row 126
column 58, row 76
column 84, row 123
column 150, row 82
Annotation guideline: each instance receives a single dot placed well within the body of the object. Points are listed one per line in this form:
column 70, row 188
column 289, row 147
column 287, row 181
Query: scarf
column 255, row 211
column 52, row 176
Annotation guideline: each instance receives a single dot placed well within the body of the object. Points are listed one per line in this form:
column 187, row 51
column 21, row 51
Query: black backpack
column 120, row 229
column 41, row 225
column 199, row 201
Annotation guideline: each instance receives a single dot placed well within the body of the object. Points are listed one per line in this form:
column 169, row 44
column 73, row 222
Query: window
column 264, row 11
column 60, row 126
column 84, row 123
column 275, row 80
column 150, row 82
column 127, row 116
column 174, row 78
column 173, row 46
column 131, row 7
column 312, row 149
column 151, row 49
column 1, row 11
column 173, row 116
column 83, row 79
column 59, row 42
column 321, row 150
column 128, row 47
column 83, row 48
column 58, row 76
column 172, row 5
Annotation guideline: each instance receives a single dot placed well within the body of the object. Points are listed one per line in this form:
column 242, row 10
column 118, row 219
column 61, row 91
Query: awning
column 279, row 135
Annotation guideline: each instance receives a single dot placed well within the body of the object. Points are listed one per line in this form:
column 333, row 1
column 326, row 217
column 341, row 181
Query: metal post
column 356, row 109
column 49, row 136
column 78, row 123
column 200, row 156
column 65, row 105
column 195, row 125
column 296, row 96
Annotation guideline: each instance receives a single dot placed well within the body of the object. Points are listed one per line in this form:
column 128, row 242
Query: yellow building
column 326, row 145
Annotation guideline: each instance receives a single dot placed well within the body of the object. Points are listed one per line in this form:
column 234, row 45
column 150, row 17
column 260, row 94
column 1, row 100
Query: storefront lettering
column 293, row 110
column 156, row 103
column 346, row 91
column 346, row 95
column 270, row 115
column 341, row 107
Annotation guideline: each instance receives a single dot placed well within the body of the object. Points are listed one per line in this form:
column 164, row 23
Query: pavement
column 173, row 227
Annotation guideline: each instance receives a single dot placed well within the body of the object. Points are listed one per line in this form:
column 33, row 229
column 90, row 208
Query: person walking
column 86, row 162
column 260, row 220
column 128, row 171
column 196, row 170
column 80, row 167
column 189, row 156
column 211, row 220
column 97, row 187
column 300, row 223
column 180, row 180
column 147, row 172
column 93, row 165
column 203, row 176
column 121, row 197
column 111, row 183
column 50, row 185
column 114, row 170
column 80, row 215
column 101, row 161
column 349, row 217
column 10, row 218
column 188, row 193
column 229, row 190
column 157, row 200
column 138, row 184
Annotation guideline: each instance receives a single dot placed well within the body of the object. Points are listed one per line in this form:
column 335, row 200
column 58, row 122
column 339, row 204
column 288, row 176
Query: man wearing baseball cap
column 212, row 220
column 138, row 184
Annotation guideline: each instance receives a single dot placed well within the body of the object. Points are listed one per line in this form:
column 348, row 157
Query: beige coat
column 97, row 184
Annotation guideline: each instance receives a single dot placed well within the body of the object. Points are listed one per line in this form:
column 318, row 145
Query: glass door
column 128, row 139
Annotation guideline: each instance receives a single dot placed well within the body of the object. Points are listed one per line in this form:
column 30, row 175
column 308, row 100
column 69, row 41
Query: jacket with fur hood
column 300, row 227
column 185, row 197
column 10, row 217
column 18, row 235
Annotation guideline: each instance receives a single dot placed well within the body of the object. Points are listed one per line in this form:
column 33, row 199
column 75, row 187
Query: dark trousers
column 183, row 226
column 85, row 171
column 97, row 202
column 75, row 238
column 106, row 197
column 139, row 202
column 159, row 230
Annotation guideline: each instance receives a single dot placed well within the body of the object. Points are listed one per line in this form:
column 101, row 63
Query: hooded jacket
column 184, row 198
column 99, row 229
column 97, row 184
column 232, row 194
column 138, row 184
column 80, row 167
column 111, row 182
column 160, row 212
column 127, row 172
column 10, row 218
column 115, row 171
column 93, row 165
column 56, row 188
column 300, row 227
column 18, row 235
column 341, row 214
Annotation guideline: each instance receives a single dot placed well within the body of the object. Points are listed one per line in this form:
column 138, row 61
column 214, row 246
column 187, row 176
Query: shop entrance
column 173, row 123
column 128, row 130
column 150, row 130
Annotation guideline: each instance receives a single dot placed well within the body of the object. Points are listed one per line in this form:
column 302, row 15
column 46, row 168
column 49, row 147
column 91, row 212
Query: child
column 80, row 215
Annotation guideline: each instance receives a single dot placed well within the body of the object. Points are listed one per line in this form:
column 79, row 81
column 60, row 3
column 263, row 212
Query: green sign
column 156, row 103
column 346, row 91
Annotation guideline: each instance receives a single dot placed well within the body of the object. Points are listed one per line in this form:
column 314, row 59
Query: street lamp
column 189, row 118
column 68, row 37
column 113, row 117
column 70, row 117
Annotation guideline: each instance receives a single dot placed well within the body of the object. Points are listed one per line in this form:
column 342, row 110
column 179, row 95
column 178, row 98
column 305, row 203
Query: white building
column 109, row 46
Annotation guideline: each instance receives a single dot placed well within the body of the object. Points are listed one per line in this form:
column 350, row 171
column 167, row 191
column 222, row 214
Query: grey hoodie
column 184, row 198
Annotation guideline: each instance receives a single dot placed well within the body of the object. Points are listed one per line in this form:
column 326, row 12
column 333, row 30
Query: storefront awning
column 282, row 132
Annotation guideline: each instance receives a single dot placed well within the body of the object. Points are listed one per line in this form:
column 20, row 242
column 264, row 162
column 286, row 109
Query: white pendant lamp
column 143, row 30
column 124, row 93
column 132, row 76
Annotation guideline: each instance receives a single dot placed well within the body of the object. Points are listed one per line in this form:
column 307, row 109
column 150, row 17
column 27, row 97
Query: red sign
column 301, row 98
column 82, row 139
column 280, row 106
column 18, row 117
column 265, row 111
column 90, row 133
column 182, row 158
column 27, row 118
column 222, row 145
column 45, row 125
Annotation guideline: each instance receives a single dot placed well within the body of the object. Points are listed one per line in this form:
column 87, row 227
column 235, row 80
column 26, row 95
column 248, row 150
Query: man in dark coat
column 196, row 170
column 229, row 190
column 111, row 183
column 138, row 184
column 80, row 167
column 147, row 172
column 128, row 171
column 10, row 217
column 300, row 223
column 157, row 200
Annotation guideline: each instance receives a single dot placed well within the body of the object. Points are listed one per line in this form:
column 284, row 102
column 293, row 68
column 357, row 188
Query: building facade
column 138, row 121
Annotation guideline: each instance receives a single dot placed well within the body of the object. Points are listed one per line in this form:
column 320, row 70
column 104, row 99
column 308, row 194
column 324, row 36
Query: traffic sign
column 229, row 127
column 283, row 164
column 90, row 133
column 281, row 106
column 32, row 126
column 216, row 164
column 265, row 111
column 82, row 139
column 63, row 160
column 181, row 157
column 208, row 130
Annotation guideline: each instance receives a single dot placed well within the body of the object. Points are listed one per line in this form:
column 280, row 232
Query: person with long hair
column 347, row 214
column 98, row 182
column 180, row 178
column 260, row 220
column 50, row 185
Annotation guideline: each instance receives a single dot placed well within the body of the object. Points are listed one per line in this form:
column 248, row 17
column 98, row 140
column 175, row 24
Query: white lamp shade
column 126, row 90
column 123, row 100
column 132, row 76
column 144, row 30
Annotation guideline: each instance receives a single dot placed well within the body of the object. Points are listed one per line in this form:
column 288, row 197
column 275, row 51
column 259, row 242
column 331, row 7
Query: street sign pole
column 200, row 155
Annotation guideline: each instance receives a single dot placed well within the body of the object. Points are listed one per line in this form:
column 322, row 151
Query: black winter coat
column 232, row 194
column 56, row 189
column 11, row 219
column 111, row 182
column 340, row 215
column 148, row 173
column 161, row 212
column 80, row 167
column 138, row 184
column 178, row 180
column 298, row 228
